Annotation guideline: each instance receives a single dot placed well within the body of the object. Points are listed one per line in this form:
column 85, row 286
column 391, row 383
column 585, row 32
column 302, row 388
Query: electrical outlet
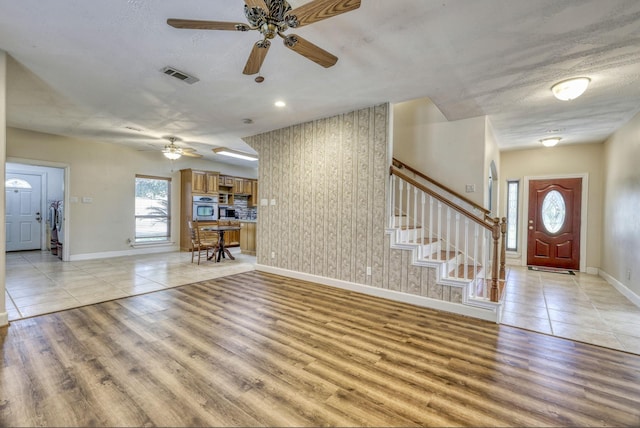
column 273, row 254
column 368, row 270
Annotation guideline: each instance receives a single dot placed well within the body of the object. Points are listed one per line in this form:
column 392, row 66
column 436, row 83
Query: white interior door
column 23, row 211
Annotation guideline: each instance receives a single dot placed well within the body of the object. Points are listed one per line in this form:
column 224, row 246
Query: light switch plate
column 470, row 188
column 273, row 201
column 264, row 202
column 87, row 200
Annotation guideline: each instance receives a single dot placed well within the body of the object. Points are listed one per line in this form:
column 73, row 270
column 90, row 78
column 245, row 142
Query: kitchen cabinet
column 238, row 185
column 242, row 186
column 248, row 238
column 231, row 237
column 204, row 182
column 193, row 182
column 253, row 200
column 226, row 181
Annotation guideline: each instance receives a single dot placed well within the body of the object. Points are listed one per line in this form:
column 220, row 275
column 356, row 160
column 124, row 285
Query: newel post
column 503, row 248
column 496, row 258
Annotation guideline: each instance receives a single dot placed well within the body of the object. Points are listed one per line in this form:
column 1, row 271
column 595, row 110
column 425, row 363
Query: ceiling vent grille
column 180, row 75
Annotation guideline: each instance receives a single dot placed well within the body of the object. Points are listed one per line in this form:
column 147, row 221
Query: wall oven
column 205, row 208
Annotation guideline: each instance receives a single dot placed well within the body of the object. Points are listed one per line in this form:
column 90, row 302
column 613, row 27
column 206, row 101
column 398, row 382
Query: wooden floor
column 260, row 350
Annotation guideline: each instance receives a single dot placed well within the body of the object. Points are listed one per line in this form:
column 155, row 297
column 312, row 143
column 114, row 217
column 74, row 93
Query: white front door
column 23, row 211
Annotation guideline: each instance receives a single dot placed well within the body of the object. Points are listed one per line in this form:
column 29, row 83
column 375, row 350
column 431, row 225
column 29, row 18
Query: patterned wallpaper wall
column 329, row 179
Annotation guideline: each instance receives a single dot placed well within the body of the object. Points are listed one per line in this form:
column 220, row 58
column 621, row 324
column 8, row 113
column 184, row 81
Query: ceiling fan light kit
column 570, row 89
column 551, row 141
column 272, row 18
column 235, row 154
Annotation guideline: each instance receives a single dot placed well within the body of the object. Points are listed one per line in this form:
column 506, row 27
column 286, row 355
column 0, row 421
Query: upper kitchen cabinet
column 242, row 186
column 204, row 182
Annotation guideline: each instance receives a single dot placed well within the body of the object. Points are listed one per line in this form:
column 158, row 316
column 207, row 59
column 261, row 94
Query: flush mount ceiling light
column 550, row 142
column 570, row 89
column 171, row 151
column 280, row 104
column 235, row 154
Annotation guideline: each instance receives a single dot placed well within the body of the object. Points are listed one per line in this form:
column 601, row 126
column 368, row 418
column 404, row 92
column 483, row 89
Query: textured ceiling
column 92, row 68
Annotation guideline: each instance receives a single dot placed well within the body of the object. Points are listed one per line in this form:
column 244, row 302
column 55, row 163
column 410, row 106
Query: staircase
column 449, row 233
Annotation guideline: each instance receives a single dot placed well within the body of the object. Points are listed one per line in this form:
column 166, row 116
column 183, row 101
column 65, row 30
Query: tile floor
column 39, row 283
column 582, row 307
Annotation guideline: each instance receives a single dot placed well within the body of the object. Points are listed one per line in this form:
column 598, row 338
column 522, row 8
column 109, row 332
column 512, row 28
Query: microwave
column 205, row 208
column 226, row 212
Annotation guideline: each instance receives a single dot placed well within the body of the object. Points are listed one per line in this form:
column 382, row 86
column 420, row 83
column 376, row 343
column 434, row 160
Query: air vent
column 181, row 75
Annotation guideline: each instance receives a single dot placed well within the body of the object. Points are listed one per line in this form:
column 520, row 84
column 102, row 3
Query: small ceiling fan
column 274, row 17
column 173, row 151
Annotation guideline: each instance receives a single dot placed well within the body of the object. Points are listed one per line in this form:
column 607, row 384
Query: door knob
column 530, row 227
column 38, row 217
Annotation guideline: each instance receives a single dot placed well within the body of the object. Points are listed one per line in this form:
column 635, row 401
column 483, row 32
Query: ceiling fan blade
column 207, row 25
column 310, row 51
column 256, row 58
column 317, row 10
column 257, row 3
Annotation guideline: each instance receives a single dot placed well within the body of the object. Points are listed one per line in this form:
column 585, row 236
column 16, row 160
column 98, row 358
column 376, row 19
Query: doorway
column 24, row 211
column 29, row 221
column 554, row 223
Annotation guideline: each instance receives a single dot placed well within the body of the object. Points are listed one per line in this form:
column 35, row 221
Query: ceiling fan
column 173, row 151
column 274, row 17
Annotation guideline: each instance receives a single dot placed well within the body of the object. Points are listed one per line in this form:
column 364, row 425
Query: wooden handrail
column 441, row 198
column 400, row 165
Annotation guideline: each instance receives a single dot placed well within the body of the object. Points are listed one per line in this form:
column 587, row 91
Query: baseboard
column 623, row 289
column 425, row 302
column 4, row 319
column 124, row 253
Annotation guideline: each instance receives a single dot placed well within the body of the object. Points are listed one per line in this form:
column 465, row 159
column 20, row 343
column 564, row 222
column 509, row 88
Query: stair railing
column 445, row 231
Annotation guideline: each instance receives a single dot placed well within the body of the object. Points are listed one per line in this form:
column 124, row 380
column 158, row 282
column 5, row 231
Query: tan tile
column 579, row 318
column 630, row 343
column 527, row 322
column 40, row 298
column 48, row 307
column 584, row 334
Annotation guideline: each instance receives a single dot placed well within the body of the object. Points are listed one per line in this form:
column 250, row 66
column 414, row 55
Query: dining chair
column 200, row 244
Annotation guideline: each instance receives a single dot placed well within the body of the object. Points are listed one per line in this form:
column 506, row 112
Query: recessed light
column 280, row 104
column 550, row 142
column 570, row 89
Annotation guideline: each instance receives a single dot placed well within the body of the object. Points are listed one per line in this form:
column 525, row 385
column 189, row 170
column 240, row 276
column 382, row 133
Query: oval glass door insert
column 553, row 211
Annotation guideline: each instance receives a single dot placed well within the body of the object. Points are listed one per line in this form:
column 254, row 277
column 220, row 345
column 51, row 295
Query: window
column 153, row 209
column 17, row 183
column 512, row 214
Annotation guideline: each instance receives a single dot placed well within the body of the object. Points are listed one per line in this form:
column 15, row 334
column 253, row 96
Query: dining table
column 222, row 251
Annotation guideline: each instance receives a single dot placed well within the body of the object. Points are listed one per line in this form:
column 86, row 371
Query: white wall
column 106, row 173
column 492, row 154
column 452, row 153
column 4, row 318
column 558, row 161
column 621, row 218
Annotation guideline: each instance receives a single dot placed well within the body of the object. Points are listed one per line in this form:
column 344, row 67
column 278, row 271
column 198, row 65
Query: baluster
column 408, row 211
column 486, row 244
column 415, row 214
column 422, row 203
column 430, row 226
column 476, row 237
column 456, row 241
column 465, row 263
column 392, row 211
column 399, row 231
column 439, row 252
column 448, row 236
